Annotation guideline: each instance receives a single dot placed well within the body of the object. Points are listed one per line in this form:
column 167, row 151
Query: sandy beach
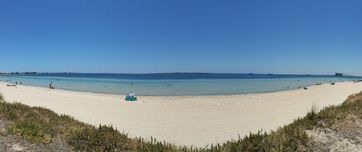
column 185, row 120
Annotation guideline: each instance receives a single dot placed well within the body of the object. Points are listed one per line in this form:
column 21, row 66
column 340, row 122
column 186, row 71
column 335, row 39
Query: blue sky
column 143, row 36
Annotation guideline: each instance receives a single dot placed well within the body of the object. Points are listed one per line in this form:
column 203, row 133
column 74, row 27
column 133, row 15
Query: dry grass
column 1, row 97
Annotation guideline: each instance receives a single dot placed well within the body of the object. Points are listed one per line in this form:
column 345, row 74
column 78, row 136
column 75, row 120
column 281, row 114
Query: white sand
column 186, row 120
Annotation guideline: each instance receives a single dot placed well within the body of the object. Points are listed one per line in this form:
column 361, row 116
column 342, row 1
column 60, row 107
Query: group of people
column 21, row 83
column 14, row 84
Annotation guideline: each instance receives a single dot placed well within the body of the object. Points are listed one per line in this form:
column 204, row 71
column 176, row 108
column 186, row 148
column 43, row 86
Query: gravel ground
column 344, row 136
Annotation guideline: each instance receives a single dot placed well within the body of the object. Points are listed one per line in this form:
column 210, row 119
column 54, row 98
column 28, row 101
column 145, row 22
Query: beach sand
column 186, row 120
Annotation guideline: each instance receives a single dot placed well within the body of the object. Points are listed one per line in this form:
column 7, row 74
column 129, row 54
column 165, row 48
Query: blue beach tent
column 131, row 97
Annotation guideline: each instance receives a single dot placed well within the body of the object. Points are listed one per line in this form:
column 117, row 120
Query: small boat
column 318, row 84
column 333, row 83
column 305, row 88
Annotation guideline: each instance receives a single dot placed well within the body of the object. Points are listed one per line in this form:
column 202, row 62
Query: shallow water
column 173, row 84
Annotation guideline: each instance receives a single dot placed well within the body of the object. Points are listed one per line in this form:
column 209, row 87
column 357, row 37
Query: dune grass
column 40, row 125
column 1, row 97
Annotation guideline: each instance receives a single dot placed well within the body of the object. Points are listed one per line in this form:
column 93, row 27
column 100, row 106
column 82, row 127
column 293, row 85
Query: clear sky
column 143, row 36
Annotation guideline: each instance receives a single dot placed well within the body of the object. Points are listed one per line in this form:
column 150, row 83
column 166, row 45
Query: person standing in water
column 51, row 85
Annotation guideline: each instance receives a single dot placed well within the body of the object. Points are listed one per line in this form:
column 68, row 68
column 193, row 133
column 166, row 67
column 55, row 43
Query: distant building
column 339, row 75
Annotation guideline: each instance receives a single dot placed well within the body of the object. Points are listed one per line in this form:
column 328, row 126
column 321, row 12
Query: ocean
column 173, row 84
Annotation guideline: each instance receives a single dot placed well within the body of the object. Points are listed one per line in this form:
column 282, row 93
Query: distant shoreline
column 176, row 75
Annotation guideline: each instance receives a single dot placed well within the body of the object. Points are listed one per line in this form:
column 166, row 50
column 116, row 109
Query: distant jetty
column 342, row 75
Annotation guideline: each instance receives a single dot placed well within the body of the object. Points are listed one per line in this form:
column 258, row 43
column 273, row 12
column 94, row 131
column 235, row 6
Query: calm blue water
column 173, row 84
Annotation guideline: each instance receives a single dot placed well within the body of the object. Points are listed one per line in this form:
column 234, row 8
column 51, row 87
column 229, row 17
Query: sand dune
column 185, row 120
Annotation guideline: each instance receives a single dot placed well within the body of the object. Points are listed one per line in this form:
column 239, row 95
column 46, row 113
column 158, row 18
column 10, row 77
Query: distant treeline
column 19, row 73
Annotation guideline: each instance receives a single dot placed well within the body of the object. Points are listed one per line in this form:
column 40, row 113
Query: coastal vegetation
column 40, row 125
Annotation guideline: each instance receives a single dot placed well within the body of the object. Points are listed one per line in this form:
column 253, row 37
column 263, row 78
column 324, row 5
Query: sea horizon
column 226, row 74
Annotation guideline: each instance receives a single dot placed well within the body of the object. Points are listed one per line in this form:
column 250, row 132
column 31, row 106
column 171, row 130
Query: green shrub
column 32, row 131
column 103, row 138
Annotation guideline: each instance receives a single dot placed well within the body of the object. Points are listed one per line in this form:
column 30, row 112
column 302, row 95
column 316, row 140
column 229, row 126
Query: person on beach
column 51, row 85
